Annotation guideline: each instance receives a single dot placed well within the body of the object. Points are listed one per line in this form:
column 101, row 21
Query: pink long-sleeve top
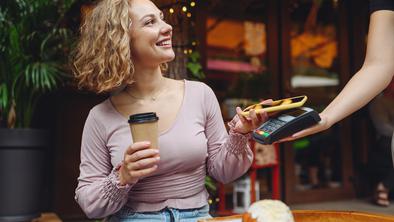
column 196, row 144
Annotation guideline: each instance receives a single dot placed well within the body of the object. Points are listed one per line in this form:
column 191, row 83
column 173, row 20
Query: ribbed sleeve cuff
column 112, row 188
column 237, row 142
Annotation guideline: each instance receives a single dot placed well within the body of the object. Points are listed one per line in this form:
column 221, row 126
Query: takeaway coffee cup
column 144, row 128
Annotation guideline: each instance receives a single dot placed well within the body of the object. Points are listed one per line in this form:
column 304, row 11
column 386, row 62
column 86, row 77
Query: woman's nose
column 166, row 29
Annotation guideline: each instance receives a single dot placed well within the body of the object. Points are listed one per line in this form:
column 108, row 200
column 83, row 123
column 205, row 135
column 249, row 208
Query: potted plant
column 33, row 46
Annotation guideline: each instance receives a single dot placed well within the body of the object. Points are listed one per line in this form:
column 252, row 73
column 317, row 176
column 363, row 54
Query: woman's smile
column 165, row 43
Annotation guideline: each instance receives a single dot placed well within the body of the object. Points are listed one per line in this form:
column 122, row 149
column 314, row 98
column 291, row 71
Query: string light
column 184, row 9
column 180, row 7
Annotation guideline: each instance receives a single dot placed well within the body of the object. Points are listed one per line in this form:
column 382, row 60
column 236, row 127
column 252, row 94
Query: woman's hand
column 252, row 121
column 322, row 125
column 139, row 161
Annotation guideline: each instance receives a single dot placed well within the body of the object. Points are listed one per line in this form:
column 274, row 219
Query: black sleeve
column 375, row 5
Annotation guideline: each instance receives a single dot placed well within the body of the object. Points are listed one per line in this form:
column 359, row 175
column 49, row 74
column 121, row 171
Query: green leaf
column 34, row 75
column 4, row 96
column 194, row 56
column 43, row 43
column 14, row 40
column 210, row 183
column 42, row 77
column 27, row 75
column 194, row 67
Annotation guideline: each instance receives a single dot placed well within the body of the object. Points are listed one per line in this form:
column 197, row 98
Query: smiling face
column 150, row 36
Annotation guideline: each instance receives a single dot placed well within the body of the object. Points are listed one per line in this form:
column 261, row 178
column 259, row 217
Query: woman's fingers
column 142, row 163
column 141, row 154
column 137, row 146
column 267, row 101
column 143, row 172
column 263, row 117
column 254, row 118
column 241, row 117
column 258, row 118
column 252, row 121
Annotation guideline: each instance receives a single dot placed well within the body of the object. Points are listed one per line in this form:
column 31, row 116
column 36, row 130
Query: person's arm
column 229, row 156
column 99, row 192
column 375, row 74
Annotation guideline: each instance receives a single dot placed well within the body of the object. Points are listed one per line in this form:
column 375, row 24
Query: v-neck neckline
column 172, row 125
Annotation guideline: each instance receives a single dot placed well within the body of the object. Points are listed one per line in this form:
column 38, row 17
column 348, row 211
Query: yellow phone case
column 277, row 105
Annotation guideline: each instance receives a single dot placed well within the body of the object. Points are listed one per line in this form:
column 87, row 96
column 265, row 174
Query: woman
column 123, row 44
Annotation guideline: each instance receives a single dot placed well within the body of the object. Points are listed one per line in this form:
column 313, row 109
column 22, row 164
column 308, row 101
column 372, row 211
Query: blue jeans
column 165, row 215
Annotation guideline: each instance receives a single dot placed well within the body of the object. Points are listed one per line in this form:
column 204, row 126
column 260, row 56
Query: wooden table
column 321, row 216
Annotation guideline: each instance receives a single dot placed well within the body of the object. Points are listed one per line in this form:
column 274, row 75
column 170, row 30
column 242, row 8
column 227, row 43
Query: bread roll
column 269, row 211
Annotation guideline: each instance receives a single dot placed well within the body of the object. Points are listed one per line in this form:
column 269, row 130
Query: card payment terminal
column 284, row 125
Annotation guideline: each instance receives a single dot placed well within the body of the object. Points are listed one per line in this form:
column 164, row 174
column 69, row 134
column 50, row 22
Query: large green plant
column 33, row 48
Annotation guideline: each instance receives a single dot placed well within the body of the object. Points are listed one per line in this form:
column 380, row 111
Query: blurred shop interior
column 246, row 51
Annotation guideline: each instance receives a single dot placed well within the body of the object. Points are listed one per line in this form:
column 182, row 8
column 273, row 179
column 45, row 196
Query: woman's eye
column 149, row 22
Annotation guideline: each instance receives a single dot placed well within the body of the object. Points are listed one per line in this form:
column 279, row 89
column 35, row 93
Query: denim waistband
column 165, row 215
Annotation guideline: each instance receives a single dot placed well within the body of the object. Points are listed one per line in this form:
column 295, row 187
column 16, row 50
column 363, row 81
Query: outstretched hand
column 321, row 126
column 245, row 124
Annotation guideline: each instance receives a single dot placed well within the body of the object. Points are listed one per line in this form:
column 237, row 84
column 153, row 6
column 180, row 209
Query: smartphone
column 277, row 105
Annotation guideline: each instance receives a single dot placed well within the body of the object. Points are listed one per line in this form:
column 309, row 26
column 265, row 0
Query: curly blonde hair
column 102, row 60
